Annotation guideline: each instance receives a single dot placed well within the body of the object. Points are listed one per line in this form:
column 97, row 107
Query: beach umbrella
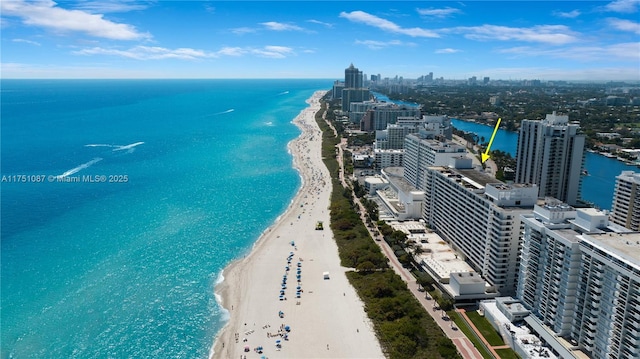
column 287, row 328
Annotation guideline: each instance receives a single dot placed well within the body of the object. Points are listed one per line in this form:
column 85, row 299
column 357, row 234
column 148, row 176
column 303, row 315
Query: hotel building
column 480, row 218
column 625, row 209
column 550, row 155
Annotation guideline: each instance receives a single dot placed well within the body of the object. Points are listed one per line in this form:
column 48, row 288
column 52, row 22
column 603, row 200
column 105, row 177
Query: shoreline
column 321, row 323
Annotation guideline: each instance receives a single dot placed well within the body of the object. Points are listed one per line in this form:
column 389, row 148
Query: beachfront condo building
column 392, row 138
column 421, row 153
column 429, row 127
column 580, row 276
column 625, row 209
column 379, row 117
column 550, row 154
column 480, row 218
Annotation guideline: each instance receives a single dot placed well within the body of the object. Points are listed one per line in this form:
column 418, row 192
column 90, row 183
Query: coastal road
column 464, row 346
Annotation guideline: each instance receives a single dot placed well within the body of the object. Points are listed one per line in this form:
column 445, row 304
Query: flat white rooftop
column 523, row 337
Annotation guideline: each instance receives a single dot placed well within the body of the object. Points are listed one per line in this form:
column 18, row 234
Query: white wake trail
column 80, row 168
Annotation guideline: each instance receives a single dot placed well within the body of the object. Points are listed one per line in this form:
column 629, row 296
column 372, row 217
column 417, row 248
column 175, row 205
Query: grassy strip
column 507, row 354
column 468, row 332
column 488, row 331
column 403, row 327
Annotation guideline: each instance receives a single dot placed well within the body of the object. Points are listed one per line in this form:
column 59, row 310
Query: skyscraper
column 353, row 88
column 625, row 209
column 352, row 77
column 550, row 155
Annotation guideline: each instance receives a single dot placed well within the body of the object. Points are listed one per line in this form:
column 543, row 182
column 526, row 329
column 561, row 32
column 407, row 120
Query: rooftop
column 439, row 256
column 520, row 333
column 395, row 175
column 625, row 245
column 479, row 177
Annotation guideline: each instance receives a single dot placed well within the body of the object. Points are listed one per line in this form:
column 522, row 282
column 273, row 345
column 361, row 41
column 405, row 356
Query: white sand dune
column 328, row 320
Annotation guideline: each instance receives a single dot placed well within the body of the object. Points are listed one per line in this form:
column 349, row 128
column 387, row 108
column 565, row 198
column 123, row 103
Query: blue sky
column 547, row 40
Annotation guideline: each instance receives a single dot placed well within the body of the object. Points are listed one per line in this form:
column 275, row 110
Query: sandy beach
column 309, row 316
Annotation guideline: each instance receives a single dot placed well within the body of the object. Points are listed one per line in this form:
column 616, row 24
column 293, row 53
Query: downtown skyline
column 545, row 40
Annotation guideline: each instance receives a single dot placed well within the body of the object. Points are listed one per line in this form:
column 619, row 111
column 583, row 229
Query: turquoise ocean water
column 114, row 252
column 596, row 188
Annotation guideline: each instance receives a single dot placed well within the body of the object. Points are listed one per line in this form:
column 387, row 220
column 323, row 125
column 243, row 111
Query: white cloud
column 47, row 14
column 243, row 30
column 273, row 52
column 27, row 42
column 232, row 51
column 377, row 45
column 624, row 25
column 441, row 13
column 625, row 6
column 106, row 6
column 629, row 51
column 279, row 26
column 567, row 15
column 548, row 34
column 447, row 51
column 149, row 53
column 386, row 25
column 326, row 24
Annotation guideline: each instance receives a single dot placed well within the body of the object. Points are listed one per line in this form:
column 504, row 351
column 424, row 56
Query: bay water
column 597, row 187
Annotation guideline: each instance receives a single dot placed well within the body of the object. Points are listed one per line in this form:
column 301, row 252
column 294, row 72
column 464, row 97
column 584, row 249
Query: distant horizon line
column 636, row 81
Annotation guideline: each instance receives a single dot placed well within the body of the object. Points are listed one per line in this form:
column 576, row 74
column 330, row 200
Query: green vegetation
column 402, row 325
column 507, row 354
column 462, row 325
column 489, row 333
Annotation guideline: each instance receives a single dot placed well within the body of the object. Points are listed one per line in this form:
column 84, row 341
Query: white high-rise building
column 581, row 277
column 625, row 209
column 420, row 154
column 480, row 217
column 607, row 322
column 550, row 154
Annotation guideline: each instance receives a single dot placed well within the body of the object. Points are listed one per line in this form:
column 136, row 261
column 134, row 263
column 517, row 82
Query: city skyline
column 546, row 40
